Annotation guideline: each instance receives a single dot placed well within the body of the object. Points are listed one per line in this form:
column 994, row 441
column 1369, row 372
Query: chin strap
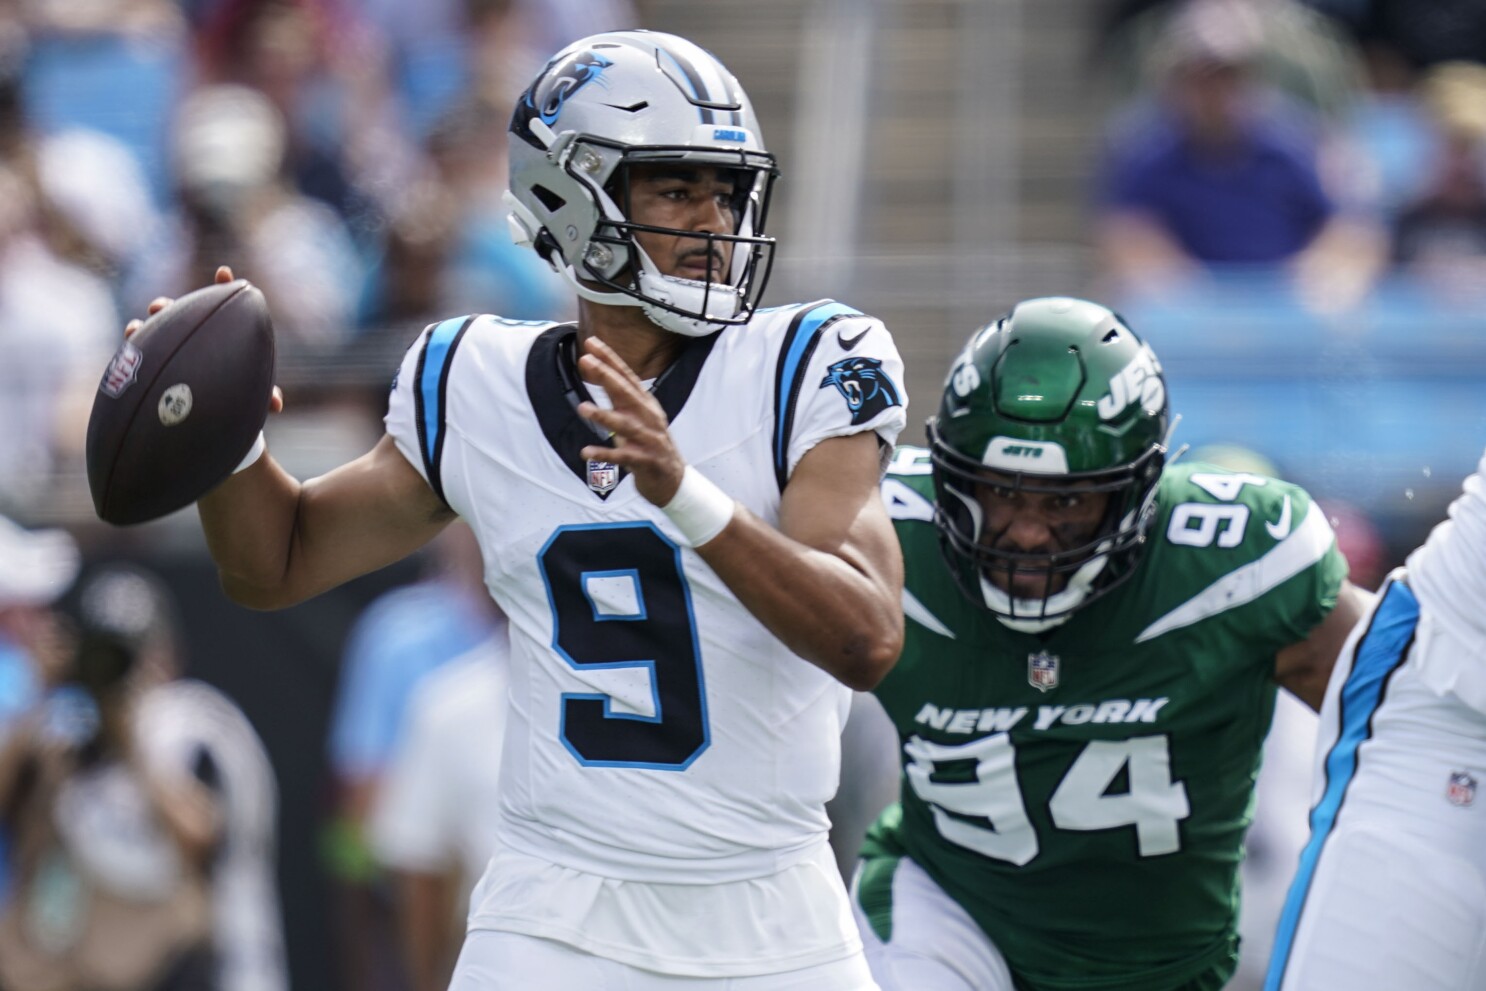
column 1030, row 615
column 527, row 232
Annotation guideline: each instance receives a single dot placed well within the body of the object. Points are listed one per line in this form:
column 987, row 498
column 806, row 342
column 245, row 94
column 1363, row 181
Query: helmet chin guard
column 614, row 101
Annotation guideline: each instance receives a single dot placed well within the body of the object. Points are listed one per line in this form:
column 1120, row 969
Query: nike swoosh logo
column 848, row 343
column 1281, row 530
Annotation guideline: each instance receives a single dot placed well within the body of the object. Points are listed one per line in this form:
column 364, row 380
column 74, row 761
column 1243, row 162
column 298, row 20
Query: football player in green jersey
column 1094, row 641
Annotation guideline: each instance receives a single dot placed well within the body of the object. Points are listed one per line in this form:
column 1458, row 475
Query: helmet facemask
column 616, row 261
column 1093, row 562
column 1052, row 403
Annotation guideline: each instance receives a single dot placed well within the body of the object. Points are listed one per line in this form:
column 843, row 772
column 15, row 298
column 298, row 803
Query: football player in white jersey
column 676, row 503
column 1391, row 889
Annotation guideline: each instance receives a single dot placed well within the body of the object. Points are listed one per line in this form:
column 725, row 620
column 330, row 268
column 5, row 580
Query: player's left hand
column 642, row 437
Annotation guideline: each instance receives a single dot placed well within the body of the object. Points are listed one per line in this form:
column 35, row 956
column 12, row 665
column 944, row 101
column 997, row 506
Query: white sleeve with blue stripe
column 840, row 374
column 1448, row 573
column 417, row 408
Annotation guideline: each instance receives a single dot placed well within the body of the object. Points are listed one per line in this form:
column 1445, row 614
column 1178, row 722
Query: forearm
column 828, row 605
column 250, row 522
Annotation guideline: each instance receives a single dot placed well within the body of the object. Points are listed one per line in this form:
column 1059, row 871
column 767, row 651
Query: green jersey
column 1083, row 792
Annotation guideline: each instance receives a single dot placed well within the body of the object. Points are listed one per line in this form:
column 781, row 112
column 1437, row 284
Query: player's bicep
column 355, row 519
column 371, row 512
column 831, row 504
column 1304, row 668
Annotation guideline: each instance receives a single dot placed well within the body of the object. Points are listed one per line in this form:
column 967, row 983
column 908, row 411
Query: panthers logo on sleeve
column 868, row 391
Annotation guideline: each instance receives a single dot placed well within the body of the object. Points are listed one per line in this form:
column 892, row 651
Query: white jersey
column 657, row 731
column 1392, row 885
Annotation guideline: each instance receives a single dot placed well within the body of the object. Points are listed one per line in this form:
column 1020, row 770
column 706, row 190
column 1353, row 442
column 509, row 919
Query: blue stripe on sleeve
column 436, row 354
column 1379, row 653
column 796, row 348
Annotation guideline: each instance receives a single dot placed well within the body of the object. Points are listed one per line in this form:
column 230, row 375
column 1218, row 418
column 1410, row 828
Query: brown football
column 181, row 403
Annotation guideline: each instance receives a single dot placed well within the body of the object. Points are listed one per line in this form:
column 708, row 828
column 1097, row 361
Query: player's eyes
column 1068, row 500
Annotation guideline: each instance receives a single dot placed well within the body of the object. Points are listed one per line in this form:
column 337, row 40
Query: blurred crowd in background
column 348, row 157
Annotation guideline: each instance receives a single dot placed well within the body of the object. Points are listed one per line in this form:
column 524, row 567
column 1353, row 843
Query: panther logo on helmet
column 867, row 391
column 552, row 88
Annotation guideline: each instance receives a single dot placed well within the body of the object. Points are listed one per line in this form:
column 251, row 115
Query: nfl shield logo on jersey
column 1042, row 671
column 603, row 476
column 1461, row 791
column 121, row 370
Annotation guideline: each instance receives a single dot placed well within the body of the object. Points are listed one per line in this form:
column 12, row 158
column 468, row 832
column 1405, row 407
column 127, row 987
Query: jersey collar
column 555, row 389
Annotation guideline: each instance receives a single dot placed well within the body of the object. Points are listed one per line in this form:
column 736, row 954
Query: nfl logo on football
column 602, row 476
column 1042, row 671
column 1461, row 791
column 121, row 370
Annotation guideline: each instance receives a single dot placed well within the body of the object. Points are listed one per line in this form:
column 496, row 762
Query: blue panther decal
column 867, row 389
column 552, row 89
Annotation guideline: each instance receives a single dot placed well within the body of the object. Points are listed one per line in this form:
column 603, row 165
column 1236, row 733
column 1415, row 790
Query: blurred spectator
column 444, row 50
column 1300, row 53
column 236, row 210
column 1424, row 32
column 58, row 323
column 322, row 69
column 114, row 67
column 37, row 567
column 1440, row 238
column 433, row 822
column 1220, row 173
column 142, row 835
column 401, row 638
column 449, row 249
column 97, row 200
column 1388, row 134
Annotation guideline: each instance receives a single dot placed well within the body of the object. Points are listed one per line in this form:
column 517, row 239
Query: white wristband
column 254, row 453
column 699, row 508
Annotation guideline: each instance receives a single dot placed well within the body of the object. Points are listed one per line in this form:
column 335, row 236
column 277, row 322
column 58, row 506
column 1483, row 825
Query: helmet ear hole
column 548, row 198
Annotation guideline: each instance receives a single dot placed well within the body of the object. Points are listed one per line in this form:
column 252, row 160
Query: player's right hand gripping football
column 224, row 275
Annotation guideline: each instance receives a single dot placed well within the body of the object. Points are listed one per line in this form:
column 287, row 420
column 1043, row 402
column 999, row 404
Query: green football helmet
column 1056, row 398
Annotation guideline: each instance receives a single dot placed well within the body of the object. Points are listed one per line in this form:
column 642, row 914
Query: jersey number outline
column 998, row 825
column 620, row 600
column 1200, row 524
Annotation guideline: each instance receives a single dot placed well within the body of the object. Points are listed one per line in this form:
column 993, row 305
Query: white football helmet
column 614, row 100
